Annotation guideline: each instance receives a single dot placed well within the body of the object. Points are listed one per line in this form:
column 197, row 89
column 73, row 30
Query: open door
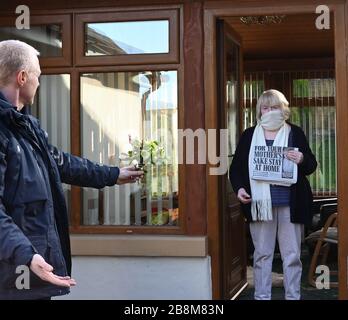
column 233, row 255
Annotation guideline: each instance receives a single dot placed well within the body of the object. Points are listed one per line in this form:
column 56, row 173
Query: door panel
column 229, row 63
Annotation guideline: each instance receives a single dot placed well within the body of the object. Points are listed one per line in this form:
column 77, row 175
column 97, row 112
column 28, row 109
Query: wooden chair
column 324, row 239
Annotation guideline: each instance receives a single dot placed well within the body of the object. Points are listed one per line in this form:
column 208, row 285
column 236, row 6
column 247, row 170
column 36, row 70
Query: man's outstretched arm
column 85, row 173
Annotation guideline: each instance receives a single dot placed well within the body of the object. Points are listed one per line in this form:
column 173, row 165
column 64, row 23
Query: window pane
column 319, row 124
column 47, row 39
column 52, row 108
column 119, row 109
column 253, row 87
column 310, row 88
column 118, row 38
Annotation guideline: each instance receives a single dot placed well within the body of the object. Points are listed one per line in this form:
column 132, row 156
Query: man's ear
column 21, row 78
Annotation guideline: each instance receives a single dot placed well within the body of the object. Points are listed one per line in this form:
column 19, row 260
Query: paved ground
column 308, row 292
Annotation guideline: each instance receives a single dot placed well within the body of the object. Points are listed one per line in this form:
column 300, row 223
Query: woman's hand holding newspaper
column 295, row 156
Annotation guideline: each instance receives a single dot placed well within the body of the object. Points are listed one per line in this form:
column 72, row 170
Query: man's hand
column 44, row 271
column 129, row 175
column 243, row 196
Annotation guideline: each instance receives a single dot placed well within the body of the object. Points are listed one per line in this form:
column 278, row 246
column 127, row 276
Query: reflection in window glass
column 136, row 37
column 232, row 97
column 52, row 108
column 47, row 39
column 119, row 109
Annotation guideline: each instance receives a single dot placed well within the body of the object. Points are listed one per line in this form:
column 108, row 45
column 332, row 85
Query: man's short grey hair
column 15, row 56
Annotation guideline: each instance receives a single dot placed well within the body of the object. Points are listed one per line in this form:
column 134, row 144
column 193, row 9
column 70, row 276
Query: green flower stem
column 148, row 190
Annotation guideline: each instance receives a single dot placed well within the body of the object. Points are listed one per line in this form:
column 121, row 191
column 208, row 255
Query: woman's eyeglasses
column 268, row 108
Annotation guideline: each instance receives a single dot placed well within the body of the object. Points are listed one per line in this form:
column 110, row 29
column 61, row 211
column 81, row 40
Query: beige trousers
column 289, row 238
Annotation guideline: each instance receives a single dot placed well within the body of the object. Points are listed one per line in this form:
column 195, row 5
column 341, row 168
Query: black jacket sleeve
column 79, row 171
column 309, row 163
column 240, row 159
column 83, row 172
column 15, row 247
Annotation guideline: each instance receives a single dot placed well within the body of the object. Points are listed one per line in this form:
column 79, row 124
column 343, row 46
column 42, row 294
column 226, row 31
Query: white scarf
column 261, row 204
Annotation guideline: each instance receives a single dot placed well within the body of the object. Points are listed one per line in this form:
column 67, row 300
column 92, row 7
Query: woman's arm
column 309, row 163
column 239, row 161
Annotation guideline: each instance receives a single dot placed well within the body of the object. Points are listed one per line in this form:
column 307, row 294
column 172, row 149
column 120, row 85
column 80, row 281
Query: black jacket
column 33, row 213
column 301, row 197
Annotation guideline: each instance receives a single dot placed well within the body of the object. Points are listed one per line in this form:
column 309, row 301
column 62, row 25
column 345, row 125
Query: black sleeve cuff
column 23, row 256
column 114, row 173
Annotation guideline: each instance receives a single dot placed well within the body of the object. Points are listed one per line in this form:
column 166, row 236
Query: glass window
column 253, row 87
column 134, row 37
column 127, row 117
column 313, row 88
column 319, row 125
column 47, row 39
column 52, row 108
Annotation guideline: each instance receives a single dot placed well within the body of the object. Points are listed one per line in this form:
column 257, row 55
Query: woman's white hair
column 15, row 56
column 271, row 98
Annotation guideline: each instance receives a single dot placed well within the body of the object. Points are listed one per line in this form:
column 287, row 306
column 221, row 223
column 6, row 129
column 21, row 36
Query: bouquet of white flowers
column 143, row 153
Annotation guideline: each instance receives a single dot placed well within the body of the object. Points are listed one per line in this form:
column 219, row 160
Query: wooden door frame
column 228, row 32
column 220, row 9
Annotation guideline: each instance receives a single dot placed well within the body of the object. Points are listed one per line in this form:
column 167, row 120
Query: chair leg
column 325, row 249
column 322, row 244
column 313, row 264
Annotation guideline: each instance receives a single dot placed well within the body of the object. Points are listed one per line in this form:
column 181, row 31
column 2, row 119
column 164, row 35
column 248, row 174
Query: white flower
column 136, row 144
column 124, row 156
column 149, row 150
column 146, row 154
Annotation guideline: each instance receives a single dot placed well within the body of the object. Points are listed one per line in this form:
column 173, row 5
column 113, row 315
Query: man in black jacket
column 33, row 214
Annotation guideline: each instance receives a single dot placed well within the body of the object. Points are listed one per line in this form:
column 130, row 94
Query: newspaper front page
column 270, row 164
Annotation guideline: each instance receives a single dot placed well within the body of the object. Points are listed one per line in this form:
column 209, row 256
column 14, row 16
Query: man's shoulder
column 3, row 127
column 35, row 121
column 37, row 126
column 4, row 137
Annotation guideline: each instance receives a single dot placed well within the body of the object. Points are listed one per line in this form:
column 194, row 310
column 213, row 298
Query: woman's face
column 265, row 109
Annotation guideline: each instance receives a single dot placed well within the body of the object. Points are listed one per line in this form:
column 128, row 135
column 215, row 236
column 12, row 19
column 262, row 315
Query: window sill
column 139, row 245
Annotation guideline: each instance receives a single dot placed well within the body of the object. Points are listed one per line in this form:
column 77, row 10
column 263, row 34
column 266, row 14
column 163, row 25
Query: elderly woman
column 274, row 210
